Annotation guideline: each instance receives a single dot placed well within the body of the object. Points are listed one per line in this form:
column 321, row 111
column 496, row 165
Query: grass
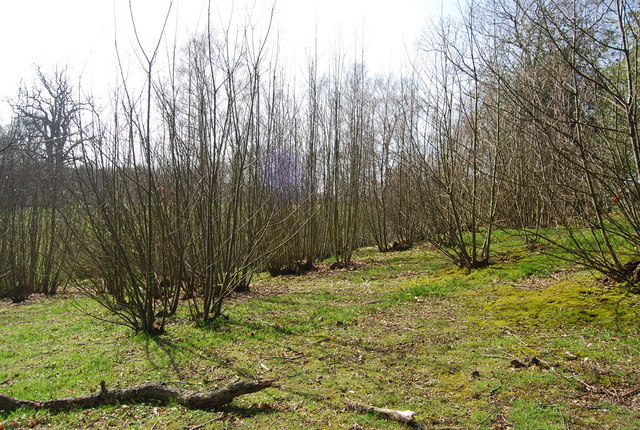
column 405, row 330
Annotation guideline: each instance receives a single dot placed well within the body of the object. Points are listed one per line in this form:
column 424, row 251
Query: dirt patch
column 260, row 291
column 33, row 299
column 535, row 282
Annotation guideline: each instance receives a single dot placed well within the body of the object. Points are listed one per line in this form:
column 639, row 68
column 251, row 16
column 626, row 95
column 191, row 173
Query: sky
column 81, row 35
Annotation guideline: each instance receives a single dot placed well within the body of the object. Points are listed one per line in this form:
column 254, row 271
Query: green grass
column 405, row 330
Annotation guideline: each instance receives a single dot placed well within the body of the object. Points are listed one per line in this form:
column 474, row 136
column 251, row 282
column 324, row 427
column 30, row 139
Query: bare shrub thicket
column 519, row 115
column 570, row 71
column 528, row 119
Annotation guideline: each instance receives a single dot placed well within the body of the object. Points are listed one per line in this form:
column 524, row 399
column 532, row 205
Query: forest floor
column 526, row 343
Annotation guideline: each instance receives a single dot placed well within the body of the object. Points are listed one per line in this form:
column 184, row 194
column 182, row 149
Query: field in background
column 528, row 342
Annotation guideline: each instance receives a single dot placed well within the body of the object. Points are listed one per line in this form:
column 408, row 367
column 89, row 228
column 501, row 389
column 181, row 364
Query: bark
column 151, row 391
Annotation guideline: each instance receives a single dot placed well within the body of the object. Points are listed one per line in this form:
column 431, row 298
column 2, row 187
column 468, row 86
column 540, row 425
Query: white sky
column 80, row 34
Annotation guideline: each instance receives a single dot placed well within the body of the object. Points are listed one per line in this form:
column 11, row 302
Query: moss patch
column 574, row 301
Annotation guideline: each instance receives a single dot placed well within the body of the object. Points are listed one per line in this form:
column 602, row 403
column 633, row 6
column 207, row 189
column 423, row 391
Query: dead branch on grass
column 405, row 417
column 151, row 391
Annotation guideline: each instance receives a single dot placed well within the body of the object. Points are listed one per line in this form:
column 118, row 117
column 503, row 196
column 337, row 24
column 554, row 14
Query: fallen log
column 406, row 417
column 151, row 391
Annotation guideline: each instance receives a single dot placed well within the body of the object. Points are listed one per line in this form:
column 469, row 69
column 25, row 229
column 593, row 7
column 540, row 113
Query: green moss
column 570, row 302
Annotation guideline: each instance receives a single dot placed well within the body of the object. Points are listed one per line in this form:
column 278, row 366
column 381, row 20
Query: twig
column 199, row 426
column 273, row 423
column 265, row 322
column 564, row 423
column 186, row 383
column 497, row 356
column 495, row 390
column 558, row 336
column 484, row 420
column 552, row 369
column 631, row 392
column 297, row 357
column 523, row 343
column 324, row 339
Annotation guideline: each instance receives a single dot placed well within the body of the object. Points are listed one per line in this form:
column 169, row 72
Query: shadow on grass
column 262, row 327
column 167, row 347
column 170, row 351
column 263, row 408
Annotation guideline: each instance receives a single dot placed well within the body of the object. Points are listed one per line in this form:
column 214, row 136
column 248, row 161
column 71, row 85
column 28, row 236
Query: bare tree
column 36, row 160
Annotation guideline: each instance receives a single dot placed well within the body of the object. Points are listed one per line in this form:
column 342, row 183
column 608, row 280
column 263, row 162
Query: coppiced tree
column 194, row 185
column 460, row 150
column 123, row 205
